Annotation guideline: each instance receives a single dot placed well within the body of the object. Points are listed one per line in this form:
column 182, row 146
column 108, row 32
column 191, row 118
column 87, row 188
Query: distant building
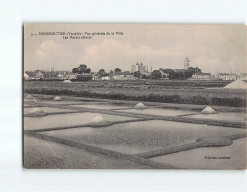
column 53, row 75
column 201, row 76
column 70, row 76
column 139, row 67
column 214, row 77
column 242, row 76
column 164, row 75
column 130, row 77
column 46, row 74
column 133, row 68
column 96, row 77
column 106, row 78
column 124, row 77
column 39, row 75
column 60, row 76
column 119, row 77
column 122, row 73
column 186, row 63
column 31, row 75
column 227, row 76
column 84, row 77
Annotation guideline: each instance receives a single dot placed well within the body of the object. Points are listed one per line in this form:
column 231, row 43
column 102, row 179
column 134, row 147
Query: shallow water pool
column 47, row 110
column 103, row 106
column 142, row 136
column 64, row 120
column 223, row 116
column 159, row 111
column 62, row 102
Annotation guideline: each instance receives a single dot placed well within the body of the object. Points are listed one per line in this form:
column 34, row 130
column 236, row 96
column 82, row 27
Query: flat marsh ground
column 188, row 92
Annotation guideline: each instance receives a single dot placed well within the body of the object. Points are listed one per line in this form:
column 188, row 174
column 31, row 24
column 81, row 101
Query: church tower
column 186, row 63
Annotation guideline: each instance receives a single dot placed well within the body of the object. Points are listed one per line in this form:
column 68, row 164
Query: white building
column 119, row 77
column 107, row 78
column 227, row 76
column 60, row 76
column 70, row 76
column 130, row 77
column 201, row 76
column 242, row 76
column 164, row 75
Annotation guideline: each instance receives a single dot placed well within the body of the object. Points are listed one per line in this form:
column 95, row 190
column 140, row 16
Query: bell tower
column 186, row 63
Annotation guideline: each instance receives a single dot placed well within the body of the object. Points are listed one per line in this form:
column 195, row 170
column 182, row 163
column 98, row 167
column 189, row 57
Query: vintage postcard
column 134, row 96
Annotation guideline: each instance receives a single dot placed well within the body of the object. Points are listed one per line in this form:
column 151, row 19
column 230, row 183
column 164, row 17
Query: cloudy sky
column 210, row 47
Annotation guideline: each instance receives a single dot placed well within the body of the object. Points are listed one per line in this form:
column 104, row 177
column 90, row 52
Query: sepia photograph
column 134, row 96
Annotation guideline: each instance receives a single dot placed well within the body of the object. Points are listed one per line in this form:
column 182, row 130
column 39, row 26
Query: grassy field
column 167, row 91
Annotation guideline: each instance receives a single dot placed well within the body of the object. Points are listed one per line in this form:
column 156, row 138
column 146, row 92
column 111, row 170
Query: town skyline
column 149, row 69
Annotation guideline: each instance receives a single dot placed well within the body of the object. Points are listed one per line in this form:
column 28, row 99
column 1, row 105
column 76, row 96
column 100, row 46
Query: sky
column 212, row 48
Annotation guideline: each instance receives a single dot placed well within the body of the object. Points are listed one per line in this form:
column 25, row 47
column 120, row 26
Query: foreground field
column 189, row 92
column 159, row 136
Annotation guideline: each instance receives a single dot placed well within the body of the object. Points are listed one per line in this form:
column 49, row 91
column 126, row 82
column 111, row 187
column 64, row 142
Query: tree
column 75, row 70
column 144, row 76
column 156, row 74
column 117, row 70
column 188, row 74
column 82, row 68
column 180, row 75
column 101, row 72
column 88, row 70
column 177, row 76
column 137, row 74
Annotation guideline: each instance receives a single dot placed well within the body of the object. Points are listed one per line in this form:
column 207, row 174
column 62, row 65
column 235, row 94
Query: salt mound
column 238, row 84
column 140, row 106
column 57, row 98
column 29, row 97
column 209, row 110
column 36, row 110
column 99, row 121
column 67, row 81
